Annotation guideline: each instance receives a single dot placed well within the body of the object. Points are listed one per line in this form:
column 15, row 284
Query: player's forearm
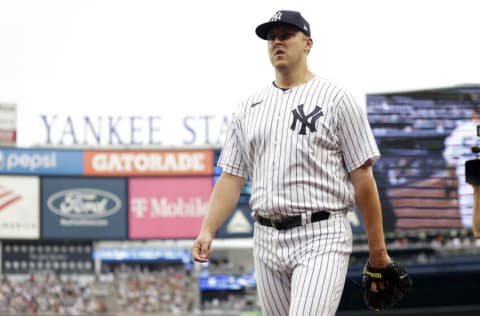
column 223, row 200
column 476, row 211
column 369, row 205
column 368, row 202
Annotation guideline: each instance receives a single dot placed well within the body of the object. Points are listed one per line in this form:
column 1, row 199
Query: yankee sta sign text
column 188, row 130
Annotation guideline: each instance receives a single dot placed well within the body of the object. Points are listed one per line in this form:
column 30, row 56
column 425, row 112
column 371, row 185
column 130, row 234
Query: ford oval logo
column 83, row 203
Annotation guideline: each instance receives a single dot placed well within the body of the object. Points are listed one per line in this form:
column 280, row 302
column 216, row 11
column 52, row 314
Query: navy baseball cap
column 293, row 18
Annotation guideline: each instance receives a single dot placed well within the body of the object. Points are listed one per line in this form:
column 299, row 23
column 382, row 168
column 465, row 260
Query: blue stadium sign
column 239, row 224
column 41, row 161
column 84, row 208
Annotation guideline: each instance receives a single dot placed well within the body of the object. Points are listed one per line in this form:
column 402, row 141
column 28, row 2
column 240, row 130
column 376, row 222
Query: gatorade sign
column 148, row 163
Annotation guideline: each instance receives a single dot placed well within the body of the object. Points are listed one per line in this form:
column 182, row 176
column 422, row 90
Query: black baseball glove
column 392, row 283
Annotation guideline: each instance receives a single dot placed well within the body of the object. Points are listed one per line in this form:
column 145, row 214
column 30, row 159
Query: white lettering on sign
column 83, row 222
column 84, row 203
column 148, row 162
column 30, row 161
column 163, row 207
column 201, row 130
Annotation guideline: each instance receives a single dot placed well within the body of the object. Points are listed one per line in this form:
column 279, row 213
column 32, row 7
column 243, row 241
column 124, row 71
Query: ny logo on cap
column 276, row 17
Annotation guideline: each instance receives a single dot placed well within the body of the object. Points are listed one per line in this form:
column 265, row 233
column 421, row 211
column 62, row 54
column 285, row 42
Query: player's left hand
column 384, row 287
column 378, row 260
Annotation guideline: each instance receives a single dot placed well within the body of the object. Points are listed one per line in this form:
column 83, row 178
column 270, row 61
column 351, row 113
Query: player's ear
column 308, row 44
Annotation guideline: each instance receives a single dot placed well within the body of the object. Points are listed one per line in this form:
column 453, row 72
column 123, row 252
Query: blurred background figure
column 458, row 150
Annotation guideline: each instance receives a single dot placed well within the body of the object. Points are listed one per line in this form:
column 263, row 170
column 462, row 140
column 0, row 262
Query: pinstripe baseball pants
column 302, row 271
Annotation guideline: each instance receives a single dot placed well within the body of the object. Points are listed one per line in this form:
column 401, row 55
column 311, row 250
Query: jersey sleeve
column 232, row 157
column 458, row 145
column 451, row 153
column 355, row 134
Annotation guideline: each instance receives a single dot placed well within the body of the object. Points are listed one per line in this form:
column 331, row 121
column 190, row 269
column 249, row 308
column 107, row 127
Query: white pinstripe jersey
column 297, row 146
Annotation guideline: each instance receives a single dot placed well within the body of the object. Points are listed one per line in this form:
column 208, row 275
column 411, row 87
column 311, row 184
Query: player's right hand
column 201, row 249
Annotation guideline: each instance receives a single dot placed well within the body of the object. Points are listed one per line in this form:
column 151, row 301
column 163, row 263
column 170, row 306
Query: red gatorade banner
column 148, row 163
column 165, row 208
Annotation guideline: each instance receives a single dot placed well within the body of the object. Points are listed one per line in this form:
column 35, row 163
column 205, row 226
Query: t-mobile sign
column 165, row 208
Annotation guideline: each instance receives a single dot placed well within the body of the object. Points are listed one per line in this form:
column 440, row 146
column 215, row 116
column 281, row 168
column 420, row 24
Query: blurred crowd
column 435, row 247
column 232, row 302
column 129, row 290
column 171, row 290
column 44, row 294
column 447, row 239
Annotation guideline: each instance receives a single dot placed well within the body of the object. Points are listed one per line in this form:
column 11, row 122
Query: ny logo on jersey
column 276, row 17
column 299, row 115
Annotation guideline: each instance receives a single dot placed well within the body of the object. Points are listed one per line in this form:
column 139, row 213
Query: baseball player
column 308, row 150
column 458, row 149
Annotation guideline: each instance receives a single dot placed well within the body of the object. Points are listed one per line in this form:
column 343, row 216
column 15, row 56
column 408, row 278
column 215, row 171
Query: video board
column 425, row 137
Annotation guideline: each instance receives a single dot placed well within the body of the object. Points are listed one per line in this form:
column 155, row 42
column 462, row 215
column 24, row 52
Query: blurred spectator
column 458, row 149
column 166, row 290
column 48, row 294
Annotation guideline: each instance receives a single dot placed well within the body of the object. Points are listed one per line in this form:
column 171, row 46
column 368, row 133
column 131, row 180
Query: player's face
column 287, row 46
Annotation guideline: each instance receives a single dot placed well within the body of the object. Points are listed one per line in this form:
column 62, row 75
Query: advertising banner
column 143, row 254
column 148, row 163
column 84, row 208
column 8, row 124
column 19, row 207
column 164, row 208
column 41, row 161
column 65, row 257
column 239, row 224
